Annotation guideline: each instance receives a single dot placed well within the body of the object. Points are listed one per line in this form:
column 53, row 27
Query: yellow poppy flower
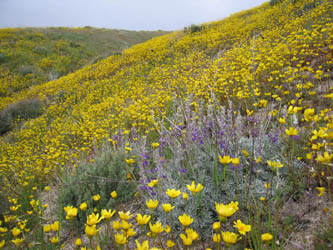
column 185, row 220
column 152, row 204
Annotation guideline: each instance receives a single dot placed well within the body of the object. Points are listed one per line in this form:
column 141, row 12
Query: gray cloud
column 120, row 14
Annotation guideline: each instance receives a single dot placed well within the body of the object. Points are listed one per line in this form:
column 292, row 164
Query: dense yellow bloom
column 185, row 196
column 282, row 120
column 194, row 189
column 114, row 194
column 83, row 206
column 130, row 232
column 91, row 230
column 18, row 241
column 107, row 214
column 78, row 242
column 55, row 226
column 167, row 229
column 170, row 243
column 274, row 164
column 96, row 197
column 156, row 228
column 152, row 204
column 155, row 144
column 15, row 231
column 308, row 114
column 235, row 161
column 266, row 237
column 144, row 246
column 291, row 131
column 321, row 191
column 167, row 207
column 242, row 228
column 216, row 225
column 47, row 228
column 71, row 212
column 226, row 210
column 125, row 225
column 125, row 216
column 173, row 193
column 142, row 220
column 116, row 225
column 2, row 244
column 138, row 88
column 230, row 238
column 93, row 219
column 326, row 157
column 120, row 239
column 192, row 234
column 245, row 153
column 152, row 183
column 185, row 220
column 54, row 240
column 130, row 161
column 187, row 241
column 217, row 238
column 225, row 159
column 249, row 112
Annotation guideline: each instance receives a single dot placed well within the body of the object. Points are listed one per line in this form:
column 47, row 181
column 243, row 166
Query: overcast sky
column 118, row 14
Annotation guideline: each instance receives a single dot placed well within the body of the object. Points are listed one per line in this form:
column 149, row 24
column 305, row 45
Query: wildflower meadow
column 206, row 138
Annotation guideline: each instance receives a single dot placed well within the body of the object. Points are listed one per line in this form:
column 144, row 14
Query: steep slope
column 88, row 106
column 30, row 56
column 274, row 60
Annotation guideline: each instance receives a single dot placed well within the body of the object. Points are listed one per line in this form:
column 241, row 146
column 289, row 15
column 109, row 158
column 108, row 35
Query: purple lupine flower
column 295, row 137
column 273, row 138
column 144, row 188
column 145, row 163
column 219, row 133
column 183, row 170
column 222, row 145
column 254, row 132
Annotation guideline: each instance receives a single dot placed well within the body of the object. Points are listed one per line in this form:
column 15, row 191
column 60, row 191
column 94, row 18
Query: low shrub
column 324, row 240
column 24, row 70
column 274, row 2
column 106, row 174
column 25, row 110
column 193, row 28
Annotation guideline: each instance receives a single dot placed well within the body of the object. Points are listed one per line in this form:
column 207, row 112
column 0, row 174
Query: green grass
column 31, row 56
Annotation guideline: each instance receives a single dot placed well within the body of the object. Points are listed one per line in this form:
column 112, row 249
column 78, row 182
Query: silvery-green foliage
column 190, row 150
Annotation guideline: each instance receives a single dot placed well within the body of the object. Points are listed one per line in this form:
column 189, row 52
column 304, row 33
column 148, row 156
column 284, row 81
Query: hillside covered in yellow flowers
column 31, row 56
column 231, row 87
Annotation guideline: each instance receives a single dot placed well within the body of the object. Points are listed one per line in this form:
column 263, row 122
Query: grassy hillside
column 31, row 56
column 241, row 106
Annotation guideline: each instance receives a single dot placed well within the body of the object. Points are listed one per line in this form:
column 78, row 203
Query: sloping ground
column 31, row 56
column 254, row 61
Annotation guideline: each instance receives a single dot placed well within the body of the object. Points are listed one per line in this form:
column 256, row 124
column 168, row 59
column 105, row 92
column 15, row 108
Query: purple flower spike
column 183, row 170
column 295, row 137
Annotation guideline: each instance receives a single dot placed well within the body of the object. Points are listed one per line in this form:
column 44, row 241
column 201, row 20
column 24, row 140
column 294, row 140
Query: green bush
column 193, row 28
column 4, row 206
column 2, row 57
column 25, row 110
column 24, row 70
column 274, row 2
column 108, row 173
column 324, row 239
